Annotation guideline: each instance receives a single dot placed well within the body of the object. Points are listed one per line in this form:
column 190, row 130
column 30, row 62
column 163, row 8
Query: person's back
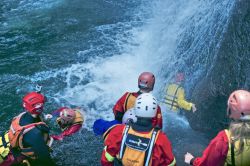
column 28, row 135
column 139, row 143
column 146, row 83
column 34, row 139
column 175, row 95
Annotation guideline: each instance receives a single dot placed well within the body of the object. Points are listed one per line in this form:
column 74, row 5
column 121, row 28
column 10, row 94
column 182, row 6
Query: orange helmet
column 146, row 81
column 33, row 102
column 179, row 77
column 238, row 105
column 67, row 116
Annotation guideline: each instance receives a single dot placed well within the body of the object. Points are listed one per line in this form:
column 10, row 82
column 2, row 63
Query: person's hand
column 188, row 157
column 48, row 116
column 194, row 108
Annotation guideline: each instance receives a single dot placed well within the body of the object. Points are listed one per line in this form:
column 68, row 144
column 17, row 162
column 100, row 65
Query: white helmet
column 146, row 106
column 128, row 116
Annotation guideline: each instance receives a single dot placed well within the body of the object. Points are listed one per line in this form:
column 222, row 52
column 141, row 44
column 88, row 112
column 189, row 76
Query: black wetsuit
column 35, row 139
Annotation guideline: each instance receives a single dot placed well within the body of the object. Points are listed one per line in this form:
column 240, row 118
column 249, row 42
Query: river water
column 88, row 53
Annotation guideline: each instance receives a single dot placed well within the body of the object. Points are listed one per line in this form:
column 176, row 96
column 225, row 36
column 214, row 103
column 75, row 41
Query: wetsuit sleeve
column 101, row 126
column 181, row 101
column 71, row 130
column 215, row 153
column 157, row 120
column 35, row 139
column 112, row 145
column 162, row 153
column 118, row 109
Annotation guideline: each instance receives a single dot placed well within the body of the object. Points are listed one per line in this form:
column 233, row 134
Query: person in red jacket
column 138, row 143
column 146, row 83
column 230, row 146
column 69, row 120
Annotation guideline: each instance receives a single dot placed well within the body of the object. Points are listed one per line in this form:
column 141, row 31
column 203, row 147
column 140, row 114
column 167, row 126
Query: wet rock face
column 229, row 71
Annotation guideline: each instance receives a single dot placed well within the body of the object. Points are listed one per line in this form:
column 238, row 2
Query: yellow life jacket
column 4, row 147
column 172, row 96
column 136, row 148
column 242, row 159
column 78, row 120
column 17, row 132
column 129, row 102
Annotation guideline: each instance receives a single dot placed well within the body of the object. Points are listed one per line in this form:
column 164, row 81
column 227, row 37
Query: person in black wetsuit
column 29, row 135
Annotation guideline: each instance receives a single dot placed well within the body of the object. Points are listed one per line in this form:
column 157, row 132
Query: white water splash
column 98, row 83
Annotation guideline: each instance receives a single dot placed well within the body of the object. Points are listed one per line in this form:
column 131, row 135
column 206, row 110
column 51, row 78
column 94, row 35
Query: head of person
column 129, row 116
column 238, row 109
column 33, row 103
column 146, row 106
column 239, row 105
column 179, row 77
column 146, row 82
column 67, row 116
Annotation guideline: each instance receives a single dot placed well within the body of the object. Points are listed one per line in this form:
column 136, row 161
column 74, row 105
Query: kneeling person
column 139, row 143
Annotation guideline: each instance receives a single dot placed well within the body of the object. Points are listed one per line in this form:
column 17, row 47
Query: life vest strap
column 125, row 134
column 232, row 152
column 152, row 141
column 175, row 93
column 126, row 102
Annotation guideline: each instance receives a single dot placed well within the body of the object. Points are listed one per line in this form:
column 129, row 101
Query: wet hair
column 240, row 131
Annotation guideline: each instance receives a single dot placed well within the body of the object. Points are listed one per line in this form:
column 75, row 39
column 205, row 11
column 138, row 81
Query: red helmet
column 146, row 81
column 239, row 105
column 33, row 102
column 179, row 77
column 67, row 116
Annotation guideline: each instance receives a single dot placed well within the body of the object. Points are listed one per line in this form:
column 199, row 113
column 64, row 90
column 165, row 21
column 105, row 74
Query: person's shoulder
column 162, row 139
column 222, row 135
column 119, row 127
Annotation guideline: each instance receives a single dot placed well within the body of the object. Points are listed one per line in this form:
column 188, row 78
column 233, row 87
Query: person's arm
column 181, row 101
column 71, row 130
column 162, row 153
column 35, row 139
column 215, row 154
column 112, row 146
column 101, row 126
column 118, row 109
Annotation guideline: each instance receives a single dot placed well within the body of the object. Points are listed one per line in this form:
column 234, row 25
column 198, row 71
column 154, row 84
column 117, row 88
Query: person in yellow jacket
column 175, row 96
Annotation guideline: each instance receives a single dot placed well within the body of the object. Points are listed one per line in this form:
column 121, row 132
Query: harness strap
column 174, row 97
column 123, row 141
column 126, row 102
column 232, row 153
column 152, row 141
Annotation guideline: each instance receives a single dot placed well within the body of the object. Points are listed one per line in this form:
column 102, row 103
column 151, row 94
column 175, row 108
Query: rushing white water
column 158, row 45
column 161, row 37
